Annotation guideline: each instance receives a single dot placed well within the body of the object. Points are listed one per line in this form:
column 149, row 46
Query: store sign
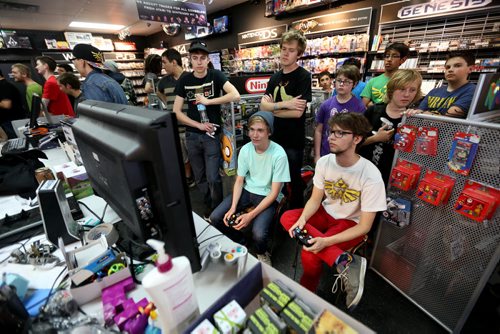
column 337, row 21
column 256, row 85
column 166, row 11
column 416, row 9
column 182, row 48
column 250, row 84
column 261, row 35
column 125, row 46
column 59, row 56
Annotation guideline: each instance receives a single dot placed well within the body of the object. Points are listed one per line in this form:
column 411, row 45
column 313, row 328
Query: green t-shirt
column 261, row 170
column 376, row 89
column 30, row 89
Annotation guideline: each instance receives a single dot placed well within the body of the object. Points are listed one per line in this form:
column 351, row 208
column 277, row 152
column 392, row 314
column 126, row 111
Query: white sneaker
column 265, row 258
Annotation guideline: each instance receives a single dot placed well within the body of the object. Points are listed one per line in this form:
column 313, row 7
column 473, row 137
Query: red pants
column 321, row 224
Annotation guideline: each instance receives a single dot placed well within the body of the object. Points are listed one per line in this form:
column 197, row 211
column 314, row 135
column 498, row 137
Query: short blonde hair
column 295, row 35
column 400, row 80
column 259, row 119
column 25, row 70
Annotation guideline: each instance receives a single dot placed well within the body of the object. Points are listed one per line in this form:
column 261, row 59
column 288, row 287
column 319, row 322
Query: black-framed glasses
column 340, row 133
column 344, row 82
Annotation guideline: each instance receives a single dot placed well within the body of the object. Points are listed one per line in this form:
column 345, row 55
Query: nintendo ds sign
column 261, row 35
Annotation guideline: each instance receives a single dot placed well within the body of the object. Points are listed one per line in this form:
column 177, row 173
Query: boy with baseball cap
column 89, row 62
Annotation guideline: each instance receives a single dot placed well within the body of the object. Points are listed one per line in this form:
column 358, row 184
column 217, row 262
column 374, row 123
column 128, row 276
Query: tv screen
column 133, row 159
column 193, row 32
column 221, row 24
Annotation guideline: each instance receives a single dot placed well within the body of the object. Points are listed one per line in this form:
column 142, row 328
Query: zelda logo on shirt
column 339, row 190
column 207, row 89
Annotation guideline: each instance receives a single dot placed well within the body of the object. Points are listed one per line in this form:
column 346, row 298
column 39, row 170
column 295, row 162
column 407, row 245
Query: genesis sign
column 439, row 7
column 261, row 35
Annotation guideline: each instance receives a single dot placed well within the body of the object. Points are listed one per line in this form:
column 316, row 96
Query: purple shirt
column 329, row 108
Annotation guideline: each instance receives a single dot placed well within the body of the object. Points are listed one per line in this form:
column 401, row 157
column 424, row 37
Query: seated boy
column 354, row 192
column 454, row 99
column 262, row 170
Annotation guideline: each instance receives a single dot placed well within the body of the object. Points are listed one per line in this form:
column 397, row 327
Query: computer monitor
column 133, row 159
column 36, row 104
column 485, row 104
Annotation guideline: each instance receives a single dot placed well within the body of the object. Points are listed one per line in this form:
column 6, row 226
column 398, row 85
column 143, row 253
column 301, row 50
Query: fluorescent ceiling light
column 92, row 25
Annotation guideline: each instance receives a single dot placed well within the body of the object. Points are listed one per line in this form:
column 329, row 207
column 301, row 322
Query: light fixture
column 123, row 34
column 92, row 25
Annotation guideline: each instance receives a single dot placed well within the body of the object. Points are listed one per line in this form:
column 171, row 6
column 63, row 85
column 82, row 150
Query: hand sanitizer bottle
column 171, row 288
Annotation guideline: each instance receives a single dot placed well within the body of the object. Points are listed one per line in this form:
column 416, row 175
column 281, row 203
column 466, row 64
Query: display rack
column 131, row 65
column 442, row 260
column 431, row 39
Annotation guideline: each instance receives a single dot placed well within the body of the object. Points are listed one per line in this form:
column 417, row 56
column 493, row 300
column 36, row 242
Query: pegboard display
column 441, row 260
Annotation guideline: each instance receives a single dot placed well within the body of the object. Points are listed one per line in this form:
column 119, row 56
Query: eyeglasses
column 389, row 56
column 340, row 133
column 344, row 82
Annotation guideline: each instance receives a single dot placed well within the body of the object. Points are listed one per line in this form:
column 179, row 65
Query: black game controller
column 232, row 220
column 302, row 236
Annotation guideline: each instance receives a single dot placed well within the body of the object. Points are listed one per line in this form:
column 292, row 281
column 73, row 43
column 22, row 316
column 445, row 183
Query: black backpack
column 17, row 173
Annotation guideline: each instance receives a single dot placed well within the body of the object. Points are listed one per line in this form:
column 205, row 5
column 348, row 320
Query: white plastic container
column 171, row 288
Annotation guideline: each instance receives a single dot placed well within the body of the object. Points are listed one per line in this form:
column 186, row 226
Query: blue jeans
column 295, row 160
column 260, row 226
column 205, row 156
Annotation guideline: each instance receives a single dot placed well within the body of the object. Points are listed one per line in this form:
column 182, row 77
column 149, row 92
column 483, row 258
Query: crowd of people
column 353, row 145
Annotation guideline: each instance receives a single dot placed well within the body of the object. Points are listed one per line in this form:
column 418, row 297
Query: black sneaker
column 352, row 280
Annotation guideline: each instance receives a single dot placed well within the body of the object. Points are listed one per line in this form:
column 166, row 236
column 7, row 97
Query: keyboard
column 14, row 146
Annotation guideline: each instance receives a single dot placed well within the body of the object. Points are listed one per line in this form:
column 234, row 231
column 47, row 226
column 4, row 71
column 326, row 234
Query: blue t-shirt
column 329, row 108
column 261, row 170
column 439, row 100
column 356, row 91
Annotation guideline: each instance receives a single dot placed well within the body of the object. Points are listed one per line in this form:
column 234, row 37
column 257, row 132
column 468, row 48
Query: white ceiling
column 58, row 14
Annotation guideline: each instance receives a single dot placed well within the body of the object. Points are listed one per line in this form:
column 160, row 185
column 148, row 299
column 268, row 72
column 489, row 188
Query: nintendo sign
column 256, row 85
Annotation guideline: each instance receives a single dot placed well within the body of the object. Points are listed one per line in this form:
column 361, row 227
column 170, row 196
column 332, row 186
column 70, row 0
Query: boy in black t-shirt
column 287, row 94
column 204, row 86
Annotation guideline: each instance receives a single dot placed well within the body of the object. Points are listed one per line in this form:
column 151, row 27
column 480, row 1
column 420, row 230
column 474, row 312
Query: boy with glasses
column 454, row 99
column 344, row 101
column 353, row 192
column 394, row 56
column 287, row 94
column 203, row 86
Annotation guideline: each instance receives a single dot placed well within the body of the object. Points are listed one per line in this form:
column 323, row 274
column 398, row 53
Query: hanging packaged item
column 435, row 188
column 427, row 141
column 405, row 175
column 405, row 138
column 477, row 201
column 398, row 211
column 462, row 153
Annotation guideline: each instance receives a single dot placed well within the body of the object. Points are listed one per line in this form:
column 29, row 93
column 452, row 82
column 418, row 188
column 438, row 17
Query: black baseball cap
column 92, row 55
column 198, row 46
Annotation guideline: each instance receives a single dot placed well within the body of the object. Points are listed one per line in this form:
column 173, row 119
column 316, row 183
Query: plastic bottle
column 171, row 288
column 202, row 109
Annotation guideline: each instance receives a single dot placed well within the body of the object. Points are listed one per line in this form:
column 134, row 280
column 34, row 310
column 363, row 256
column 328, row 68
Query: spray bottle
column 171, row 288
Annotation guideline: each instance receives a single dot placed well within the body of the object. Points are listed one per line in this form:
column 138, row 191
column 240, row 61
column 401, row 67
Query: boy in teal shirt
column 262, row 171
column 394, row 56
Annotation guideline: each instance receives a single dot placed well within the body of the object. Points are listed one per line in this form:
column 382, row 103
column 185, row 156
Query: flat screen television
column 36, row 104
column 485, row 104
column 221, row 24
column 133, row 159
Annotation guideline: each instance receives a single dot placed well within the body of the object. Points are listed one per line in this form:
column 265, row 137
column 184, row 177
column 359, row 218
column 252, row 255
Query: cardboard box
column 88, row 292
column 246, row 293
